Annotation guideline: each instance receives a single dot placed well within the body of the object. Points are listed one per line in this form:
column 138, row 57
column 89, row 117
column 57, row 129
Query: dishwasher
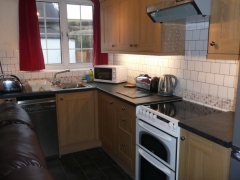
column 42, row 112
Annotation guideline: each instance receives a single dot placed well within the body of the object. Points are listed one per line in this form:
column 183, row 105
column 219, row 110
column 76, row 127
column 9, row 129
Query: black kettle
column 167, row 84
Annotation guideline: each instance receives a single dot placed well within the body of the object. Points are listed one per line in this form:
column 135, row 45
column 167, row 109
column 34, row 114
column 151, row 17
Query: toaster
column 10, row 83
column 146, row 82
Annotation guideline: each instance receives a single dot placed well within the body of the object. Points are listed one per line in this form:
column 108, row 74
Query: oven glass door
column 103, row 73
column 147, row 167
column 160, row 145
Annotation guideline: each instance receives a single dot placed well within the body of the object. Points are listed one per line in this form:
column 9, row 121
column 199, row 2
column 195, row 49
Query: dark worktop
column 215, row 127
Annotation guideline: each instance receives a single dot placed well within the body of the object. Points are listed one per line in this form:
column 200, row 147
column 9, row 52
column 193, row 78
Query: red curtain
column 30, row 50
column 98, row 57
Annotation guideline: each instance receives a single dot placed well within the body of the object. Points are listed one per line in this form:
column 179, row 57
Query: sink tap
column 56, row 81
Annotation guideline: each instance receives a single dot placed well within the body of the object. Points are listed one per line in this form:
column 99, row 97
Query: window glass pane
column 73, row 11
column 87, row 25
column 43, row 43
column 45, row 56
column 54, row 56
column 78, row 56
column 75, row 40
column 87, row 41
column 40, row 9
column 89, row 54
column 72, row 56
column 73, row 26
column 53, row 41
column 53, row 26
column 52, row 10
column 86, row 12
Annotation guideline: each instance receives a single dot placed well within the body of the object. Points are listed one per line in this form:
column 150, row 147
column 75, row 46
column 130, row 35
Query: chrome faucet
column 56, row 81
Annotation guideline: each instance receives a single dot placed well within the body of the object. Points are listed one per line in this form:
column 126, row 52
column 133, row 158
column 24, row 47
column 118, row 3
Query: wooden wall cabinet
column 202, row 159
column 117, row 130
column 224, row 31
column 77, row 121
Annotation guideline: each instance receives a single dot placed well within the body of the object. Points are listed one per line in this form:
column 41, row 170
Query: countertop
column 215, row 127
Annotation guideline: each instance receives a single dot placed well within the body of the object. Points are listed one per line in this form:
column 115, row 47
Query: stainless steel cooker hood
column 169, row 10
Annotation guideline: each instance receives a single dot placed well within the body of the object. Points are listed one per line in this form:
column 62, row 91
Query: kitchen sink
column 74, row 85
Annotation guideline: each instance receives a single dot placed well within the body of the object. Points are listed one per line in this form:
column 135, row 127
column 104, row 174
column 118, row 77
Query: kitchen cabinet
column 224, row 31
column 77, row 121
column 117, row 130
column 202, row 159
column 126, row 28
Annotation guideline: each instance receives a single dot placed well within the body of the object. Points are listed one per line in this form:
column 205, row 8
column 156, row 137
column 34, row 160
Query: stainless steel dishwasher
column 42, row 112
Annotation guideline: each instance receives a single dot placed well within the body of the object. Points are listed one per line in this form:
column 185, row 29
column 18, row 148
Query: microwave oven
column 110, row 73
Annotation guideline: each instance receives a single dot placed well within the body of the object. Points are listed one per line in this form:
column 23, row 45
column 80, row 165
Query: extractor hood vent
column 169, row 10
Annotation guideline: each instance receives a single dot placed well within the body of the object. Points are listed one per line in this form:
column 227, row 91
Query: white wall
column 209, row 82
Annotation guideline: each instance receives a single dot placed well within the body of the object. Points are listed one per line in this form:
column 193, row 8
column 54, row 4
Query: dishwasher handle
column 37, row 101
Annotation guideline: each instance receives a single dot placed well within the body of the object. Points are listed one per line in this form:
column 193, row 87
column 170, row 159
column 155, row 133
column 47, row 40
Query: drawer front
column 107, row 97
column 125, row 108
column 125, row 152
column 124, row 122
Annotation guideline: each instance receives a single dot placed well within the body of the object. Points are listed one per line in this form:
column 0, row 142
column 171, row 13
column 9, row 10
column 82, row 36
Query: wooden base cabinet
column 224, row 30
column 117, row 130
column 201, row 159
column 77, row 123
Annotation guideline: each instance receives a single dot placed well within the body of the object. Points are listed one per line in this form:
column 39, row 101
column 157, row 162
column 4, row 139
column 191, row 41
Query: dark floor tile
column 66, row 157
column 55, row 163
column 99, row 178
column 82, row 158
column 58, row 174
column 77, row 176
column 70, row 166
column 94, row 152
column 102, row 161
column 112, row 173
column 91, row 170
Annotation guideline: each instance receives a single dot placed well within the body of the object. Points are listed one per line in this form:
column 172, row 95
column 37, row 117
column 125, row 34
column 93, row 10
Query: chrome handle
column 123, row 144
column 212, row 43
column 183, row 138
column 131, row 45
column 135, row 45
column 111, row 102
column 123, row 119
column 123, row 108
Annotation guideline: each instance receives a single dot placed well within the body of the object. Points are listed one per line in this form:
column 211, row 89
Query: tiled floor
column 92, row 164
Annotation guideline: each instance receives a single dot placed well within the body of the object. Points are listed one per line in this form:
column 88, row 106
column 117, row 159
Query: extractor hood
column 169, row 10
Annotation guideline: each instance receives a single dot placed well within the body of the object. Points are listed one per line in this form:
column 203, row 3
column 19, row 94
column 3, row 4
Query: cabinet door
column 224, row 29
column 149, row 32
column 202, row 159
column 107, row 122
column 75, row 113
column 109, row 25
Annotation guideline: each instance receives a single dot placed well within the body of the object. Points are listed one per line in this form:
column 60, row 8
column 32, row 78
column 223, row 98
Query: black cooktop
column 183, row 110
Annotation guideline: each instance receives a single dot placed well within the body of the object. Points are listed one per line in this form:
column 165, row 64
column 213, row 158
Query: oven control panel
column 159, row 120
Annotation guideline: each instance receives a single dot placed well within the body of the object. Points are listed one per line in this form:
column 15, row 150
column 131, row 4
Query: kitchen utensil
column 167, row 84
column 10, row 83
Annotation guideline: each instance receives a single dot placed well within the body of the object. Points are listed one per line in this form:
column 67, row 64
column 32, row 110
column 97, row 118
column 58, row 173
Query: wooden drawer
column 125, row 151
column 124, row 122
column 125, row 108
column 106, row 97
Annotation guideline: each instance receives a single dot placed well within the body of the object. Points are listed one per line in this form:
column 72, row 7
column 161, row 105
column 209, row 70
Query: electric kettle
column 167, row 84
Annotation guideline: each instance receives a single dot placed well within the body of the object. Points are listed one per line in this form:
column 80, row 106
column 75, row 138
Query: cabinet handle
column 61, row 99
column 123, row 119
column 183, row 138
column 123, row 144
column 131, row 45
column 113, row 45
column 212, row 43
column 123, row 108
column 135, row 45
column 111, row 102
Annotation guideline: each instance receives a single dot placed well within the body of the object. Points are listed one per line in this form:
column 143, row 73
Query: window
column 66, row 31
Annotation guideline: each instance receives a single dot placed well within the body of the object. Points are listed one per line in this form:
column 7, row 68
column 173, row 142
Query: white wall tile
column 210, row 78
column 205, row 45
column 194, row 75
column 233, row 70
column 204, row 88
column 215, row 68
column 196, row 35
column 224, row 68
column 11, row 67
column 35, row 75
column 189, row 35
column 199, row 45
column 213, row 90
column 195, row 55
column 27, row 75
column 179, row 73
column 5, row 68
column 204, row 34
column 206, row 67
column 10, row 53
column 229, row 81
column 222, row 92
column 191, row 65
column 187, row 74
column 197, row 86
column 6, row 61
column 182, row 83
column 202, row 76
column 198, row 66
column 202, row 55
column 189, row 85
column 184, row 64
column 230, row 93
column 14, row 60
column 192, row 45
column 3, row 54
column 218, row 80
column 200, row 25
column 41, row 75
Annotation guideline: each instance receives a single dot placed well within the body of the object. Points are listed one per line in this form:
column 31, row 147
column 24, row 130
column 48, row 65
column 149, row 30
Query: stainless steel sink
column 77, row 85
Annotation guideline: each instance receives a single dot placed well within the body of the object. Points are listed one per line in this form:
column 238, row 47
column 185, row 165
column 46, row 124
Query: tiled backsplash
column 209, row 82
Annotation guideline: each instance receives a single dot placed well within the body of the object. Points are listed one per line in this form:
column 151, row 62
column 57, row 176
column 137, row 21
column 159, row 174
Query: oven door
column 159, row 144
column 147, row 167
column 103, row 73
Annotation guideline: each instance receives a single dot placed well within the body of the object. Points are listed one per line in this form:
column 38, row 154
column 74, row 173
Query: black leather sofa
column 21, row 156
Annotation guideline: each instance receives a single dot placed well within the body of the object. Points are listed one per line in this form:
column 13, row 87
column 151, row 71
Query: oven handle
column 162, row 137
column 165, row 170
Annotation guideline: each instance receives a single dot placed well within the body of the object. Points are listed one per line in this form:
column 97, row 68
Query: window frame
column 64, row 37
